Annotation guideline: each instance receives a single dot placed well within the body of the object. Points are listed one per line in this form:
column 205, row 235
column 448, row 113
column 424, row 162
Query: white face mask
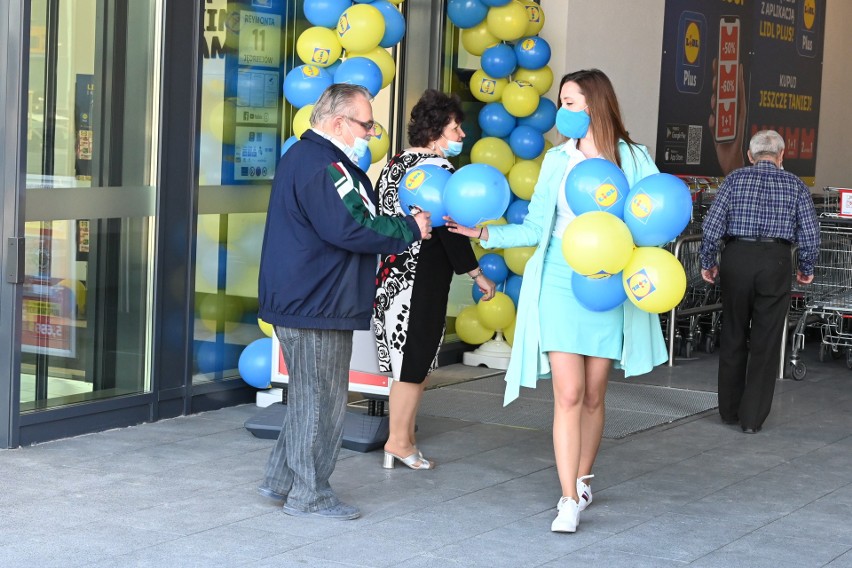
column 359, row 146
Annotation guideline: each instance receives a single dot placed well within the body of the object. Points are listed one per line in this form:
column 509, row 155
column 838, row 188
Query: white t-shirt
column 564, row 215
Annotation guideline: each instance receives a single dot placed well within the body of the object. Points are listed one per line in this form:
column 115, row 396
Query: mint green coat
column 643, row 345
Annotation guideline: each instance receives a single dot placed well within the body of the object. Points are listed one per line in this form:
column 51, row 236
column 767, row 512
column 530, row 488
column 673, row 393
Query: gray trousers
column 305, row 454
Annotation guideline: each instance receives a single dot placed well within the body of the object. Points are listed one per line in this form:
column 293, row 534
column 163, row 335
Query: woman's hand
column 486, row 286
column 470, row 232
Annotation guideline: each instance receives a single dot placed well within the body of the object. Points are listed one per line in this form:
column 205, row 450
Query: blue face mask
column 572, row 123
column 359, row 147
column 453, row 148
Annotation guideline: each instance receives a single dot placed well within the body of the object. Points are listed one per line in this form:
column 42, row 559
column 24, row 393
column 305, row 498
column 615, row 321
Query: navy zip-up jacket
column 318, row 263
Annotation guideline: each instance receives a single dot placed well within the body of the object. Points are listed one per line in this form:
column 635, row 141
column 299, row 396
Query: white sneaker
column 584, row 491
column 568, row 518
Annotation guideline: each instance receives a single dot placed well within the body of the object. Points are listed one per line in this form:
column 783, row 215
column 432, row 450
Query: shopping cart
column 828, row 300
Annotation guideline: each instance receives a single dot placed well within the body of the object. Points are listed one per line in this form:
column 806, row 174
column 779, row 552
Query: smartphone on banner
column 727, row 78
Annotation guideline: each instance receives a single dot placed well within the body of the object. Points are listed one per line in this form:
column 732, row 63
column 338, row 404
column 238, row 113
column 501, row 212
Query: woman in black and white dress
column 409, row 315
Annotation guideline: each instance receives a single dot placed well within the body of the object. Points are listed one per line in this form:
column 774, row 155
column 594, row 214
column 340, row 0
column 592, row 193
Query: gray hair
column 336, row 101
column 766, row 143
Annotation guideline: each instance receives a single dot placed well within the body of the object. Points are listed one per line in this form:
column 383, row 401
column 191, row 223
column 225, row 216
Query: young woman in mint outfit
column 555, row 336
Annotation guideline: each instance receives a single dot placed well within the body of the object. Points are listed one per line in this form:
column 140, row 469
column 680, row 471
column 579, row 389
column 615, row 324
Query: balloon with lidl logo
column 380, row 57
column 360, row 71
column 495, row 120
column 657, row 209
column 325, row 13
column 543, row 118
column 379, row 143
column 360, row 28
column 597, row 244
column 423, row 187
column 520, row 98
column 466, row 13
column 470, row 329
column 526, row 142
column 494, row 267
column 532, row 52
column 507, row 22
column 302, row 120
column 486, row 88
column 535, row 18
column 598, row 294
column 494, row 152
column 255, row 363
column 523, row 177
column 517, row 258
column 476, row 193
column 318, row 46
column 517, row 211
column 596, row 184
column 477, row 39
column 288, row 144
column 496, row 313
column 494, row 3
column 304, row 84
column 499, row 60
column 394, row 23
column 654, row 280
column 541, row 78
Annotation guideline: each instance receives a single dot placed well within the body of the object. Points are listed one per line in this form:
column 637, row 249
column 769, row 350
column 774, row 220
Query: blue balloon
column 494, row 267
column 499, row 61
column 596, row 184
column 532, row 52
column 476, row 293
column 512, row 288
column 360, row 71
column 394, row 23
column 325, row 13
column 466, row 13
column 476, row 193
column 543, row 118
column 526, row 142
column 495, row 120
column 598, row 294
column 365, row 160
column 287, row 144
column 332, row 69
column 256, row 363
column 423, row 187
column 517, row 211
column 304, row 84
column 496, row 2
column 657, row 209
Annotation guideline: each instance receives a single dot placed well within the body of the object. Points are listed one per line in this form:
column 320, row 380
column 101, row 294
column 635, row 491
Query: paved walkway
column 180, row 493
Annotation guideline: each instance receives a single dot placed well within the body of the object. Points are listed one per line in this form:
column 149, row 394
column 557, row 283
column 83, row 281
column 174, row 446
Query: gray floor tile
column 767, row 551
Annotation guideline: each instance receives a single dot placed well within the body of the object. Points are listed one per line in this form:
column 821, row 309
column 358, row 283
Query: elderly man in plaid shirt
column 759, row 212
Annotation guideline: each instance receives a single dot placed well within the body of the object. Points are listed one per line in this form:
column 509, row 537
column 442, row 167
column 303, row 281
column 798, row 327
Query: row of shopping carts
column 825, row 305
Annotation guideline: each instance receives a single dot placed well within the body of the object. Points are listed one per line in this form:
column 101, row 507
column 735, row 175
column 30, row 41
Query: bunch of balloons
column 347, row 43
column 613, row 245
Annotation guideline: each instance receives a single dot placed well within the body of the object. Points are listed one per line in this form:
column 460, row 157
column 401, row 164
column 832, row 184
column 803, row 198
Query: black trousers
column 755, row 280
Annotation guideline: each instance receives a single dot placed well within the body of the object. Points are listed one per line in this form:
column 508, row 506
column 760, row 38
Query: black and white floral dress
column 410, row 311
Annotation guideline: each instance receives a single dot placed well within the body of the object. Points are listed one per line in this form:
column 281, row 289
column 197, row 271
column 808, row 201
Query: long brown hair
column 606, row 124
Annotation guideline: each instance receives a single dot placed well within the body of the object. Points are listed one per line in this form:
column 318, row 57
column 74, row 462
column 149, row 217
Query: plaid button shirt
column 762, row 201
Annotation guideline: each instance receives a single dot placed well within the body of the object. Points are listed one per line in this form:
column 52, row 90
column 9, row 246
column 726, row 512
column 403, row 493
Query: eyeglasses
column 368, row 126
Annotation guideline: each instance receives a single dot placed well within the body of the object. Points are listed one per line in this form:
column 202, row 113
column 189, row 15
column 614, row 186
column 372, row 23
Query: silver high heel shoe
column 414, row 461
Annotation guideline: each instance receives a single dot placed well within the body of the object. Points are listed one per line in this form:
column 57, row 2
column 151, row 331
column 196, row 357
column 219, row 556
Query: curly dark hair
column 432, row 113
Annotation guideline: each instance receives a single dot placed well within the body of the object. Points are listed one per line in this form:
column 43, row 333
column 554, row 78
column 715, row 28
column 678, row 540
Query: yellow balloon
column 535, row 18
column 508, row 22
column 267, row 328
column 654, row 280
column 509, row 332
column 477, row 39
column 218, row 311
column 470, row 329
column 78, row 290
column 396, row 2
column 494, row 152
column 523, row 177
column 318, row 46
column 360, row 28
column 381, row 57
column 496, row 313
column 486, row 89
column 302, row 120
column 497, row 221
column 516, row 258
column 379, row 143
column 597, row 243
column 541, row 79
column 520, row 98
column 218, row 121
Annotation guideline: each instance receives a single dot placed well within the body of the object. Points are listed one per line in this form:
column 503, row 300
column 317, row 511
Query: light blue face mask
column 359, row 147
column 572, row 123
column 453, row 148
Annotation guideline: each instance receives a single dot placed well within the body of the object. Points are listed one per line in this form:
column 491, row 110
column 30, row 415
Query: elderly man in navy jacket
column 316, row 286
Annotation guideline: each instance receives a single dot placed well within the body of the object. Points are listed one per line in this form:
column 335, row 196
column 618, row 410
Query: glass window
column 89, row 201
